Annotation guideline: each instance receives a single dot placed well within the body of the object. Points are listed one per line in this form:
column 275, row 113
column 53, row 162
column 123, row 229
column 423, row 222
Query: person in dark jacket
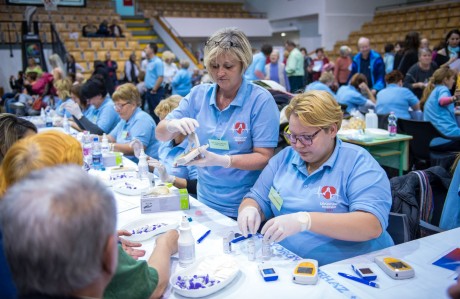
column 410, row 57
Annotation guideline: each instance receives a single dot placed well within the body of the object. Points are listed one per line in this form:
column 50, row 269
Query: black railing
column 57, row 44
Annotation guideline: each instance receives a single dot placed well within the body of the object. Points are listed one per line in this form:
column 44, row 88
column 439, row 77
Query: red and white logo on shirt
column 328, row 192
column 240, row 131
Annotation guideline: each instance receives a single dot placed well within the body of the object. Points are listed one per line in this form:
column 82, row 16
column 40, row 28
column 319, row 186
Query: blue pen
column 241, row 238
column 203, row 236
column 358, row 279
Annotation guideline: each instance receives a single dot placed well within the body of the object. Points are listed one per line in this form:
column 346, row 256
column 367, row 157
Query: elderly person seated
column 134, row 124
column 101, row 117
column 395, row 98
column 419, row 74
column 71, row 234
column 53, row 148
column 182, row 81
column 179, row 175
column 356, row 95
column 324, row 83
column 322, row 198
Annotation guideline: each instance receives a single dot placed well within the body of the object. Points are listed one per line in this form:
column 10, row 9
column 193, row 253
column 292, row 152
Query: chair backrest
column 422, row 132
column 398, row 228
column 382, row 121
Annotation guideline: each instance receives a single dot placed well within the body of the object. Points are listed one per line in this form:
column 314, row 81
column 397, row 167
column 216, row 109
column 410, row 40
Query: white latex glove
column 249, row 220
column 164, row 175
column 278, row 228
column 136, row 145
column 184, row 125
column 73, row 109
column 210, row 159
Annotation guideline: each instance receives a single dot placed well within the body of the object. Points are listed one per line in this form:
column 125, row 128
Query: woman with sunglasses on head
column 322, row 198
column 135, row 124
column 238, row 119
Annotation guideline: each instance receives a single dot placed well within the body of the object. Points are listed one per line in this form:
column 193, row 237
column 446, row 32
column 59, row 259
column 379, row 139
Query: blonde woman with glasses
column 235, row 121
column 321, row 198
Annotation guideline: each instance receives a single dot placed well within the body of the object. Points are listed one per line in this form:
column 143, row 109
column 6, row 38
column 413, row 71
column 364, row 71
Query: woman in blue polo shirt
column 237, row 119
column 323, row 198
column 101, row 117
column 395, row 98
column 354, row 94
column 134, row 124
column 438, row 108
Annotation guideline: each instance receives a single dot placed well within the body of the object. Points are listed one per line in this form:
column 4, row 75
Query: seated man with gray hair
column 60, row 238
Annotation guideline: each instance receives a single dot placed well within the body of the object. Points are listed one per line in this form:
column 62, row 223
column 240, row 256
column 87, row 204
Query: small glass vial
column 266, row 250
column 227, row 245
column 251, row 250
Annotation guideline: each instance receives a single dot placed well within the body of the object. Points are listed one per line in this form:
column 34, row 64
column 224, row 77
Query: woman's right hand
column 184, row 125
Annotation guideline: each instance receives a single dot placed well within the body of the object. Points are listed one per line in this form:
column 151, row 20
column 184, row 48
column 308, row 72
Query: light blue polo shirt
column 105, row 117
column 168, row 154
column 140, row 126
column 350, row 96
column 258, row 64
column 442, row 117
column 397, row 99
column 251, row 120
column 61, row 110
column 182, row 83
column 450, row 217
column 153, row 71
column 350, row 180
column 319, row 86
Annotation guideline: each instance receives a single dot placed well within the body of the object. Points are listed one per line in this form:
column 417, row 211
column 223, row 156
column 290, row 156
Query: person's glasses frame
column 120, row 106
column 304, row 139
column 225, row 44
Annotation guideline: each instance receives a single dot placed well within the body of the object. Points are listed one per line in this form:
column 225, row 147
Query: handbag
column 38, row 104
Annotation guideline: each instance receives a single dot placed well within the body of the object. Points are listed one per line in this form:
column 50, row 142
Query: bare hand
column 169, row 240
column 130, row 247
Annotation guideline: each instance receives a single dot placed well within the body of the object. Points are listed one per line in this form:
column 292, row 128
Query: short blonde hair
column 38, row 151
column 184, row 63
column 316, row 108
column 63, row 87
column 167, row 105
column 168, row 55
column 228, row 41
column 127, row 92
column 327, row 77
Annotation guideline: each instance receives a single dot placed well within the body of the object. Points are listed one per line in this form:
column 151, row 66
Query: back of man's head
column 59, row 232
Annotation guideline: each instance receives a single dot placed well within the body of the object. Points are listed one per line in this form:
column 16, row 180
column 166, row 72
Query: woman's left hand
column 280, row 227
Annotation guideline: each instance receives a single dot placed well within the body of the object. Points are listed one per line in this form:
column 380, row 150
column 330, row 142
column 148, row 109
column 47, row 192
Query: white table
column 430, row 281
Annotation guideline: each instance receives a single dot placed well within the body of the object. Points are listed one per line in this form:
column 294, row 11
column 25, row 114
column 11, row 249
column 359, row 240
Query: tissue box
column 112, row 159
column 175, row 200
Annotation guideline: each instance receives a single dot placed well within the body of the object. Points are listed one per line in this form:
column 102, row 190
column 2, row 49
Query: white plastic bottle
column 105, row 144
column 186, row 244
column 372, row 121
column 143, row 167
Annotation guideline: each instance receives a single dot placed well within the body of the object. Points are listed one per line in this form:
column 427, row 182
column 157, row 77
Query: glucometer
column 364, row 272
column 268, row 272
column 395, row 268
column 306, row 272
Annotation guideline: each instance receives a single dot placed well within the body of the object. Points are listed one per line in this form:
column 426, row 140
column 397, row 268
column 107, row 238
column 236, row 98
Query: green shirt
column 294, row 64
column 133, row 279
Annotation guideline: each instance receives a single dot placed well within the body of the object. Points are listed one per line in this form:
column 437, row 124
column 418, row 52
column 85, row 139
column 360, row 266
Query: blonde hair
column 168, row 55
column 228, row 41
column 167, row 105
column 438, row 77
column 38, row 151
column 327, row 77
column 63, row 87
column 315, row 108
column 127, row 92
column 184, row 63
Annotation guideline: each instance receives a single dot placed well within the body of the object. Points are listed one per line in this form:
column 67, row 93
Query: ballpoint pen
column 203, row 236
column 240, row 238
column 358, row 279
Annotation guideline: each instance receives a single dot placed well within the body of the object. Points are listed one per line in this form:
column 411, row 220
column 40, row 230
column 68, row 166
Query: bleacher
column 193, row 9
column 432, row 22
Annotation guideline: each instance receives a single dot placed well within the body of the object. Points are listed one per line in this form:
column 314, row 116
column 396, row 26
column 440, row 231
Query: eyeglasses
column 120, row 106
column 224, row 44
column 304, row 139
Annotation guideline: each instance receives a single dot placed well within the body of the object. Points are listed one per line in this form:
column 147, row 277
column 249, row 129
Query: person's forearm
column 180, row 183
column 252, row 161
column 162, row 133
column 157, row 83
column 355, row 226
column 124, row 148
column 160, row 260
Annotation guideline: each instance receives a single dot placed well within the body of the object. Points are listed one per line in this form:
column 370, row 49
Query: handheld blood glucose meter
column 306, row 272
column 364, row 272
column 395, row 268
column 268, row 273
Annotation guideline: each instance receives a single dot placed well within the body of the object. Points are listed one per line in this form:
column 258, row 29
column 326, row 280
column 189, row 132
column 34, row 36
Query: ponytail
column 438, row 78
column 426, row 92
